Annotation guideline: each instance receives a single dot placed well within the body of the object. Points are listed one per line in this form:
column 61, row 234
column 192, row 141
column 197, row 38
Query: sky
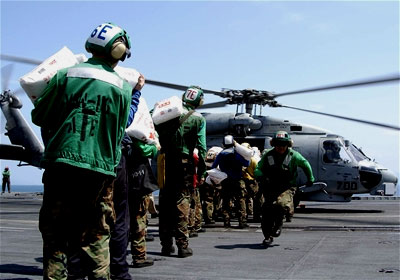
column 277, row 46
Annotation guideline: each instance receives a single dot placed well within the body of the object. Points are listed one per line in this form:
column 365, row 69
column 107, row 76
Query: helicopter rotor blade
column 181, row 87
column 6, row 76
column 18, row 91
column 344, row 118
column 214, row 105
column 385, row 79
column 166, row 85
column 20, row 59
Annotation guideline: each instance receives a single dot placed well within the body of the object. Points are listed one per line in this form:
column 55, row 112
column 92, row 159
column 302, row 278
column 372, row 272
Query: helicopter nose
column 388, row 176
column 370, row 177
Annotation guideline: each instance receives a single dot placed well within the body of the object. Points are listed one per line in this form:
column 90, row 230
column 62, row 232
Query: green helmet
column 281, row 138
column 110, row 40
column 193, row 96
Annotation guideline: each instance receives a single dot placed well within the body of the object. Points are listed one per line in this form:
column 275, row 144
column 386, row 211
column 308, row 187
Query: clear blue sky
column 276, row 46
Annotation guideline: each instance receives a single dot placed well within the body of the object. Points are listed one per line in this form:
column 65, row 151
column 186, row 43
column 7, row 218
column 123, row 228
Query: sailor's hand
column 140, row 83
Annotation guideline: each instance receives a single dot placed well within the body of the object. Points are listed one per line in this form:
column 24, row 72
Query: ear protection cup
column 118, row 50
column 201, row 101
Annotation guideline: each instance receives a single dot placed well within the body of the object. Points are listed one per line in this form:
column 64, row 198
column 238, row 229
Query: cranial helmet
column 281, row 138
column 212, row 153
column 110, row 40
column 228, row 141
column 193, row 96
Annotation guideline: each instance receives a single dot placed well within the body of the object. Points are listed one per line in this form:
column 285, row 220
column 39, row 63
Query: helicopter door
column 338, row 169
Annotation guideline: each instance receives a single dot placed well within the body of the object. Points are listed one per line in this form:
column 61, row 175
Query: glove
column 309, row 184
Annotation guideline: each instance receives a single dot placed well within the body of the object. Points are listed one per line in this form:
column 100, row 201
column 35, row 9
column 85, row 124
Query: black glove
column 309, row 184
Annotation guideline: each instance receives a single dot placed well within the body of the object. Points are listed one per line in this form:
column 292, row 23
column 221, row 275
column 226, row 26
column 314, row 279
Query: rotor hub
column 250, row 96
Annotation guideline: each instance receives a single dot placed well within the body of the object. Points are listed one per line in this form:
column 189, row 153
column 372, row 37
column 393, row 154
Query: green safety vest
column 281, row 170
column 84, row 111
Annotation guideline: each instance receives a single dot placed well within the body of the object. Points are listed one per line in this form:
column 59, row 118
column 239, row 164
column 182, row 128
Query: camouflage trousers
column 211, row 201
column 174, row 203
column 274, row 210
column 285, row 201
column 196, row 212
column 234, row 190
column 254, row 198
column 75, row 221
column 138, row 212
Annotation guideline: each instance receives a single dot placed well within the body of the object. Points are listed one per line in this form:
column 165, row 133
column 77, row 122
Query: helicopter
column 340, row 167
column 25, row 145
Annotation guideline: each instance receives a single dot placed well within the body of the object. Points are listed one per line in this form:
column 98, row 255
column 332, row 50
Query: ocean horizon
column 26, row 188
column 37, row 188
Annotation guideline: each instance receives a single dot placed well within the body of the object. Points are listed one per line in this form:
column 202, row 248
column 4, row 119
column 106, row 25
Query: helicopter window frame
column 357, row 153
column 333, row 155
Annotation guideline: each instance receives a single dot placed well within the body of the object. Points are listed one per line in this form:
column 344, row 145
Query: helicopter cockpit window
column 358, row 154
column 334, row 152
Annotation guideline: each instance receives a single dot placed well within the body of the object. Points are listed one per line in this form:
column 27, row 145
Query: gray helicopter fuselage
column 25, row 145
column 335, row 161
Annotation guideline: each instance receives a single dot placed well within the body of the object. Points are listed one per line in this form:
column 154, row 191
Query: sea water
column 26, row 188
column 38, row 188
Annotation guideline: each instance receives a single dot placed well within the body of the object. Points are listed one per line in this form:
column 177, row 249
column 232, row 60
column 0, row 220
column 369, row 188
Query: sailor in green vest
column 276, row 173
column 6, row 180
column 83, row 114
column 178, row 138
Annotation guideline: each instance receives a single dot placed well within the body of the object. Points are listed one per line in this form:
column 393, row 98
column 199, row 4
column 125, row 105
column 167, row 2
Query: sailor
column 233, row 187
column 6, row 180
column 142, row 183
column 178, row 138
column 196, row 211
column 210, row 192
column 276, row 173
column 83, row 114
column 254, row 197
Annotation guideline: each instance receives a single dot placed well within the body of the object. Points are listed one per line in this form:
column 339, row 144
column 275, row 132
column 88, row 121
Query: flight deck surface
column 355, row 240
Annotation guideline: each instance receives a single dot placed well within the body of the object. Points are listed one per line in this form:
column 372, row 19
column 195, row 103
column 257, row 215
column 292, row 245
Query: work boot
column 288, row 219
column 142, row 262
column 167, row 250
column 149, row 237
column 201, row 230
column 243, row 225
column 126, row 276
column 227, row 224
column 209, row 222
column 193, row 234
column 268, row 241
column 185, row 252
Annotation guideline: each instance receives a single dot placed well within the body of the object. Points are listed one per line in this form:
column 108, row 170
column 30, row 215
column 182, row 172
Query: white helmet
column 228, row 141
column 110, row 40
